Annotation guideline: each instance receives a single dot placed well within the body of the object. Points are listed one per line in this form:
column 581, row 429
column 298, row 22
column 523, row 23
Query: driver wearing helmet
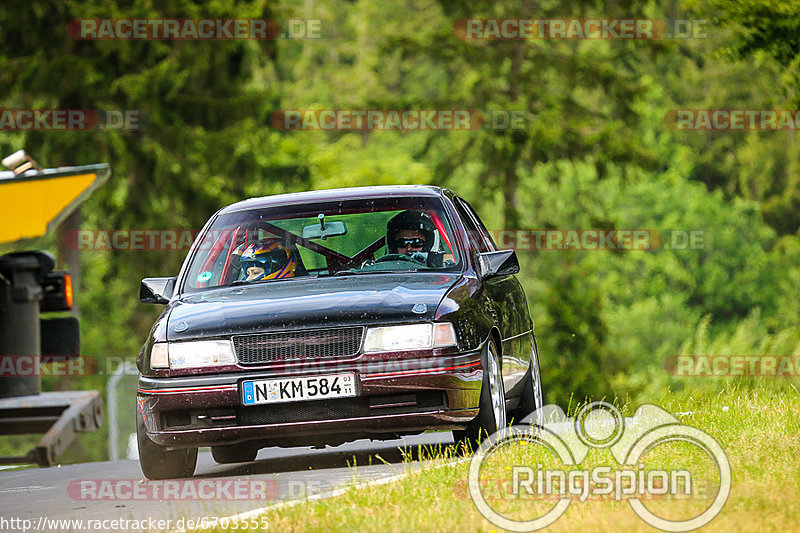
column 266, row 259
column 409, row 232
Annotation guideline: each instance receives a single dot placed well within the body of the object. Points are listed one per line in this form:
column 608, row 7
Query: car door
column 507, row 301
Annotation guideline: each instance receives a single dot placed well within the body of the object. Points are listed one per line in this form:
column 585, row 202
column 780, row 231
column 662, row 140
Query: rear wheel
column 234, row 453
column 160, row 463
column 492, row 414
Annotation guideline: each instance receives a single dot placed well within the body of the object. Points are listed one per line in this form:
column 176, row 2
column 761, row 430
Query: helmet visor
column 412, row 243
column 272, row 261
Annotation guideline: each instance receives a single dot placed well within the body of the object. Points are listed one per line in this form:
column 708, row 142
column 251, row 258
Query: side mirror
column 502, row 263
column 157, row 290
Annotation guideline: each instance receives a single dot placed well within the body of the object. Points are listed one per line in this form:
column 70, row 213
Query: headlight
column 409, row 337
column 192, row 354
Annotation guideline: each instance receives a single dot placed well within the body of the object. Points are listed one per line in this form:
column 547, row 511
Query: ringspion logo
column 597, row 425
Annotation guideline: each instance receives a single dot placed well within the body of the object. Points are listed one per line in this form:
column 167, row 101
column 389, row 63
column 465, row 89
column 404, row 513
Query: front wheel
column 492, row 414
column 158, row 462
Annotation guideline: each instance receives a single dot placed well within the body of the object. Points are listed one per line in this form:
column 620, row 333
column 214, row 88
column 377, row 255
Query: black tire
column 532, row 397
column 159, row 463
column 492, row 402
column 234, row 453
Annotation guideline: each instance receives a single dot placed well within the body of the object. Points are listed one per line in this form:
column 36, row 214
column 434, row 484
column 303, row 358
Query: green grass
column 757, row 425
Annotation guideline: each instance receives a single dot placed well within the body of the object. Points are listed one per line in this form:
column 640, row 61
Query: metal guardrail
column 127, row 368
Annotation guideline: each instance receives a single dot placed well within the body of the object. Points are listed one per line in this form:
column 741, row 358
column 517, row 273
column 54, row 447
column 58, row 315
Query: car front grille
column 294, row 345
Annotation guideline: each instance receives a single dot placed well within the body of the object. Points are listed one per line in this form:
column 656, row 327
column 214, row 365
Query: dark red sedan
column 322, row 317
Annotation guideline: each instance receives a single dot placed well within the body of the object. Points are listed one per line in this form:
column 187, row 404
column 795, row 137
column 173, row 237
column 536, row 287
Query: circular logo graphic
column 599, row 425
column 694, row 436
column 492, row 444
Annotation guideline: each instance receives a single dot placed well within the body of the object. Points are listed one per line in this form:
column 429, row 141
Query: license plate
column 298, row 389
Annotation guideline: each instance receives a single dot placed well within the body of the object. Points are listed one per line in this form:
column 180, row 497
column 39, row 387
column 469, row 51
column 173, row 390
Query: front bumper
column 395, row 396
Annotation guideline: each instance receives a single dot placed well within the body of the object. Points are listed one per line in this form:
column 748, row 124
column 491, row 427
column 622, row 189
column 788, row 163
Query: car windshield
column 325, row 239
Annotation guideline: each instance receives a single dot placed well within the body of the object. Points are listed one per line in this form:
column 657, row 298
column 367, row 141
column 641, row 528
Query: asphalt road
column 117, row 490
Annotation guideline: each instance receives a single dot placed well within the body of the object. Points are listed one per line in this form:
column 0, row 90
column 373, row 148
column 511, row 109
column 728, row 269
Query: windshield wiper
column 356, row 272
column 239, row 282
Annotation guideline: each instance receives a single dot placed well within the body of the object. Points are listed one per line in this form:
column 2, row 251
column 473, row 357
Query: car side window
column 473, row 233
column 483, row 240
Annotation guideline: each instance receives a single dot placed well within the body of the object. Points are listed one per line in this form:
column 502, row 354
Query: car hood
column 309, row 303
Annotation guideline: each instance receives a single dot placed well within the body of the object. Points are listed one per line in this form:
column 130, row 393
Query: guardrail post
column 126, row 368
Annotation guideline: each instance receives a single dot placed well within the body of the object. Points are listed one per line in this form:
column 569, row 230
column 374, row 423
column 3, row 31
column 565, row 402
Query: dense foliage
column 595, row 152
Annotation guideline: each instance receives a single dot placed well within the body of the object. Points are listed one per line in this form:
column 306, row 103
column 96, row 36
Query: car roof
column 332, row 195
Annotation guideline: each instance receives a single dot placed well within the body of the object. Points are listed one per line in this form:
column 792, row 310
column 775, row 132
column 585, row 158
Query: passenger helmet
column 277, row 260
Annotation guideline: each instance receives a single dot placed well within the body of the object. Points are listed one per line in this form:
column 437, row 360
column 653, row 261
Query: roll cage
column 335, row 261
